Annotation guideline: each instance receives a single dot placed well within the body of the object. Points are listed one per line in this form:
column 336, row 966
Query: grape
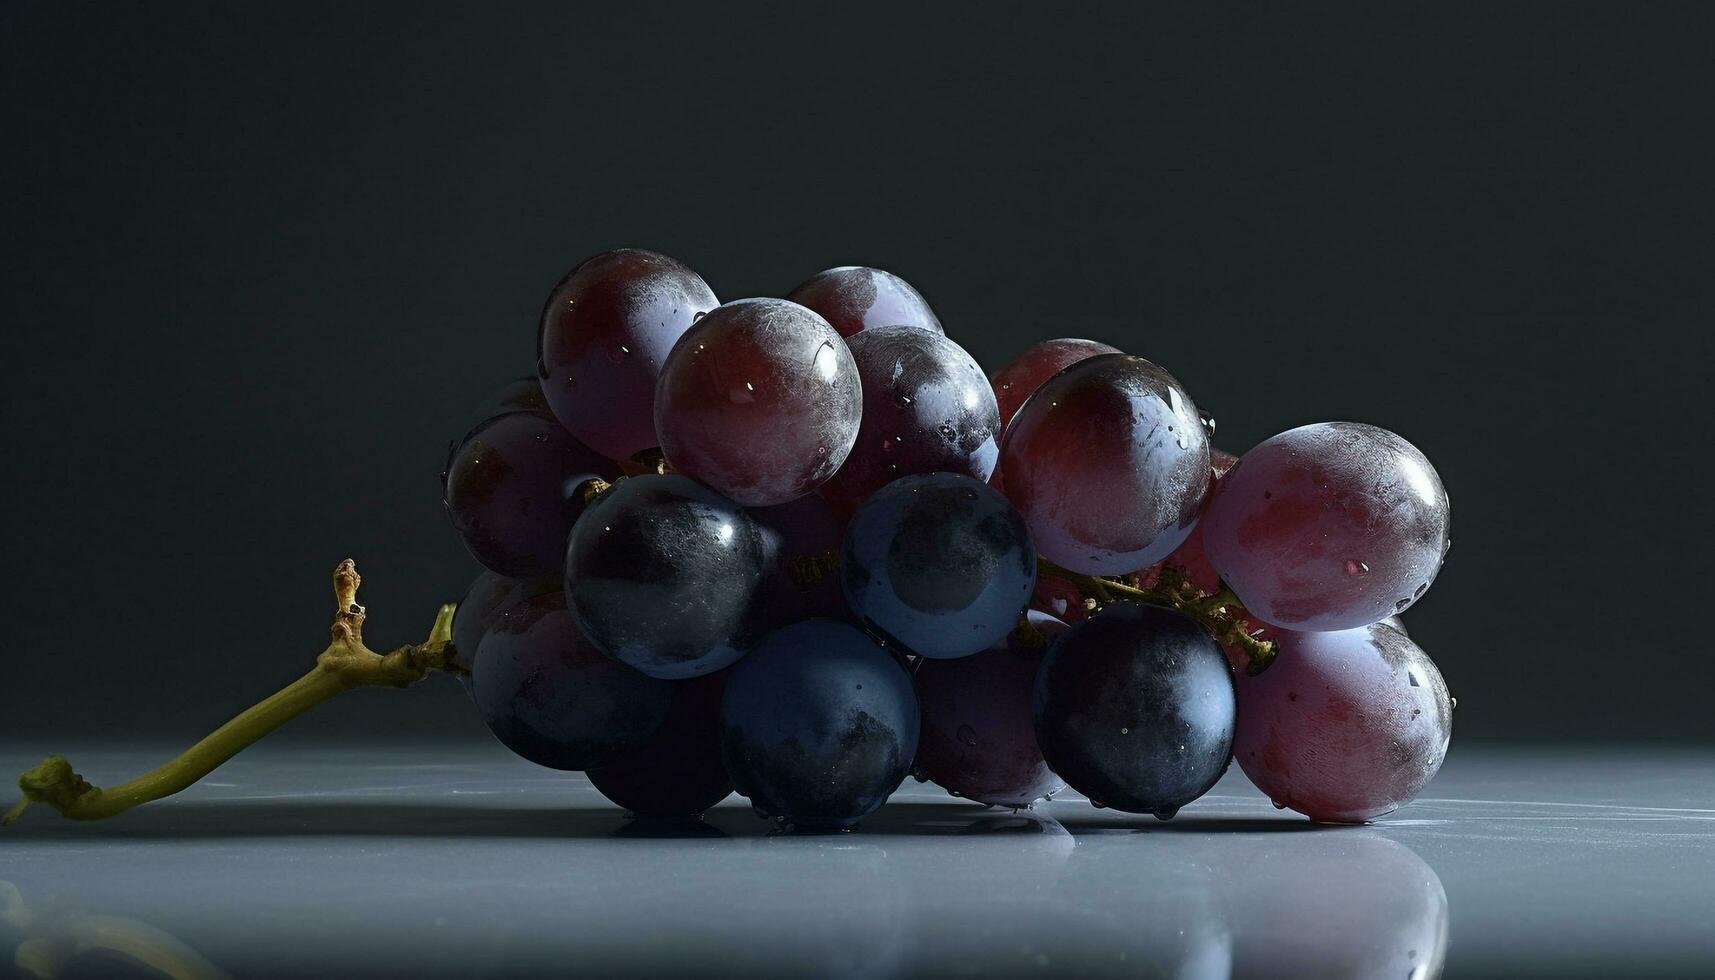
column 855, row 298
column 549, row 695
column 518, row 395
column 760, row 400
column 1134, row 708
column 665, row 575
column 489, row 598
column 938, row 563
column 803, row 543
column 1344, row 726
column 1109, row 463
column 977, row 739
column 678, row 773
column 1328, row 527
column 606, row 329
column 1059, row 598
column 512, row 491
column 819, row 725
column 926, row 408
column 1025, row 373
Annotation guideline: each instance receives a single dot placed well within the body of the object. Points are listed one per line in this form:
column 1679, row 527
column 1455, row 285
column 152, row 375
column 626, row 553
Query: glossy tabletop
column 457, row 859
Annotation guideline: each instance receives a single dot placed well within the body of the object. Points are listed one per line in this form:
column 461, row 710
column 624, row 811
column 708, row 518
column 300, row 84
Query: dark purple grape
column 606, row 329
column 518, row 395
column 978, row 739
column 926, row 409
column 666, row 575
column 938, row 563
column 1134, row 708
column 1022, row 375
column 803, row 541
column 760, row 400
column 489, row 597
column 855, row 298
column 819, row 725
column 1328, row 527
column 1109, row 464
column 550, row 696
column 1344, row 726
column 679, row 772
column 512, row 491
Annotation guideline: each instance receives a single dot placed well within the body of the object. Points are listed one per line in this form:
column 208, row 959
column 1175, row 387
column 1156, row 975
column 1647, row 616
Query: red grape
column 926, row 408
column 1328, row 527
column 760, row 400
column 1109, row 464
column 977, row 738
column 855, row 298
column 1025, row 373
column 1345, row 726
column 553, row 698
column 511, row 489
column 606, row 329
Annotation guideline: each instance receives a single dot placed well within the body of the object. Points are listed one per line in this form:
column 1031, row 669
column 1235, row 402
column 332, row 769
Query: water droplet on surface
column 698, row 316
column 1278, row 805
column 1125, row 731
column 1167, row 813
column 1098, row 804
column 1452, row 702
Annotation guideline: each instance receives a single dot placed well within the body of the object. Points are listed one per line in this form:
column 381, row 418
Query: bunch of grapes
column 802, row 548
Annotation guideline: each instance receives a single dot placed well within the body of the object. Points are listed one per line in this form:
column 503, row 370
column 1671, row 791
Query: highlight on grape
column 802, row 548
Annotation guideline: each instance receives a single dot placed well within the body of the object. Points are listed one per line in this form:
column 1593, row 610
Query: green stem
column 1221, row 612
column 345, row 664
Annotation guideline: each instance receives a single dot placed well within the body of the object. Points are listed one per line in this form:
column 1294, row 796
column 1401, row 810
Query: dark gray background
column 260, row 264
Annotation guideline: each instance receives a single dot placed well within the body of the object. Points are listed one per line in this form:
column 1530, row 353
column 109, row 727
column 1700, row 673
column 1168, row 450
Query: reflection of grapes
column 1344, row 726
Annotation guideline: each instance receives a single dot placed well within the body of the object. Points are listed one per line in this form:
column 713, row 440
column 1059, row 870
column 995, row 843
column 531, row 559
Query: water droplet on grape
column 1355, row 567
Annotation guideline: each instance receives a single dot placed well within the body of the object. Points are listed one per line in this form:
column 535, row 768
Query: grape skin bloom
column 855, row 298
column 1109, row 463
column 760, row 400
column 666, row 575
column 1344, row 726
column 550, row 696
column 939, row 564
column 978, row 740
column 926, row 409
column 605, row 331
column 1135, row 709
column 1328, row 527
column 819, row 725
